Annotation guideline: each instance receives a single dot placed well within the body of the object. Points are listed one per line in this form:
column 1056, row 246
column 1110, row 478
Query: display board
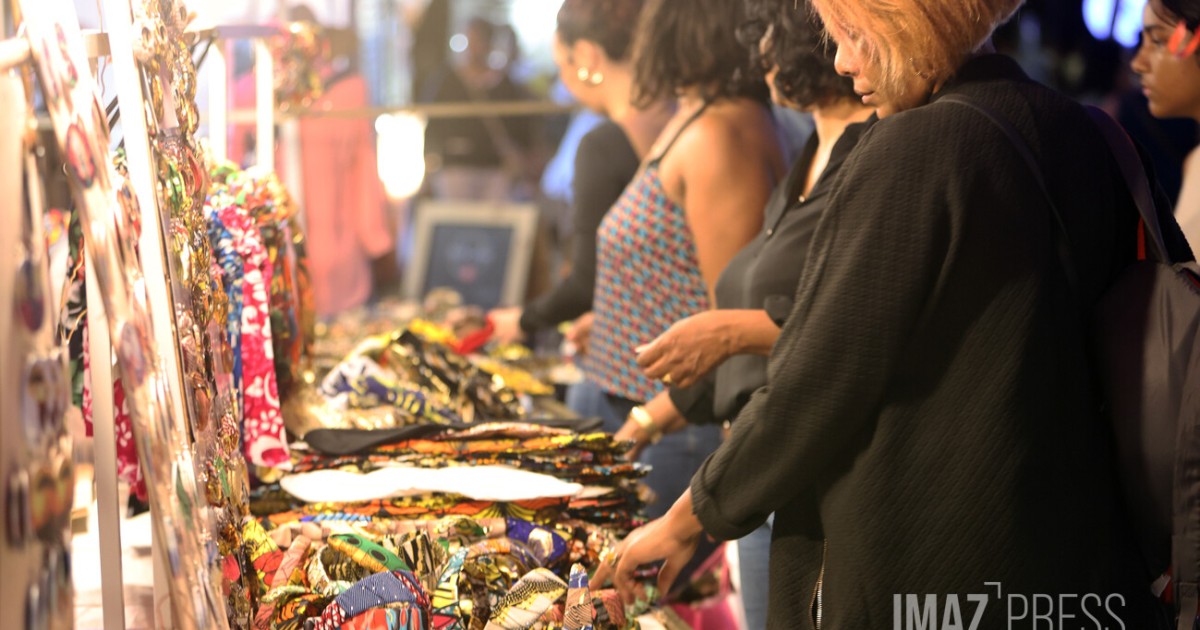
column 482, row 250
column 111, row 218
column 37, row 475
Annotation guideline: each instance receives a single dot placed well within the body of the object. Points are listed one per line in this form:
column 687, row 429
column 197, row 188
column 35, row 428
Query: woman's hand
column 672, row 538
column 506, row 323
column 632, row 432
column 579, row 332
column 688, row 350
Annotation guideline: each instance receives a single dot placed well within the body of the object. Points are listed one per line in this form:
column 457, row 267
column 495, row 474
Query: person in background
column 349, row 233
column 930, row 416
column 1168, row 61
column 696, row 202
column 591, row 49
column 481, row 157
column 724, row 351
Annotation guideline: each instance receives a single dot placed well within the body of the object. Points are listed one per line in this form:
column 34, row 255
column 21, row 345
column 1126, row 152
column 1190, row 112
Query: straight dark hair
column 683, row 44
column 1186, row 10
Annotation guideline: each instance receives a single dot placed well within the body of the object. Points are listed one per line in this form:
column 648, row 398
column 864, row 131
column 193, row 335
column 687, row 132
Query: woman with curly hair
column 717, row 358
column 1168, row 61
column 930, row 405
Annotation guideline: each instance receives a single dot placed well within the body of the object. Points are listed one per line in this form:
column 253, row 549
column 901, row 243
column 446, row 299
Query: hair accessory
column 1176, row 43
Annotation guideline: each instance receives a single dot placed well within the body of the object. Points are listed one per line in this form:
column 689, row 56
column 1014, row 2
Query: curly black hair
column 682, row 44
column 798, row 47
column 1186, row 10
column 609, row 23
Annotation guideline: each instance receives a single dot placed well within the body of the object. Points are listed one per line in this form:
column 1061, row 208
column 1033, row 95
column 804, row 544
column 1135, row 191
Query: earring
column 589, row 77
column 1176, row 44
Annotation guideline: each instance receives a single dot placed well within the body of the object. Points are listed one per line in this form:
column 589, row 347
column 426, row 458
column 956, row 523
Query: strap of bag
column 1130, row 163
column 1018, row 142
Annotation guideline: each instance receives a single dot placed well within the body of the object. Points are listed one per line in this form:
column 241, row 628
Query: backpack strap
column 1130, row 163
column 1022, row 147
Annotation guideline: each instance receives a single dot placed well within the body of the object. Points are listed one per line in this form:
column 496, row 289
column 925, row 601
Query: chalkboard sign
column 480, row 249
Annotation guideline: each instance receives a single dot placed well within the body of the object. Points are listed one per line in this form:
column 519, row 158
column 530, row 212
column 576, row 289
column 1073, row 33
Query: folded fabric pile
column 593, row 460
column 453, row 573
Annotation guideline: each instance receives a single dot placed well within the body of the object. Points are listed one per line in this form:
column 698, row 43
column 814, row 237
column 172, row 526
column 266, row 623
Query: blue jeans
column 587, row 399
column 675, row 458
column 754, row 554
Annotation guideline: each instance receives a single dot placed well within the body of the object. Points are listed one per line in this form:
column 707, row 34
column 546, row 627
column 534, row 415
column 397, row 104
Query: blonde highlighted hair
column 930, row 38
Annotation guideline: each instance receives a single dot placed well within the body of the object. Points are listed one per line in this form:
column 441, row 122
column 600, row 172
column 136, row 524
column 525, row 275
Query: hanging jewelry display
column 201, row 308
column 297, row 54
column 36, row 462
column 161, row 437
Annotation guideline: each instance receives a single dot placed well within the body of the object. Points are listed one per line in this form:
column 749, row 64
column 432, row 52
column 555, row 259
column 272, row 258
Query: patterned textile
column 292, row 613
column 232, row 278
column 528, row 599
column 579, row 611
column 647, row 278
column 426, row 507
column 265, row 441
column 546, row 545
column 367, row 553
column 128, row 468
column 378, row 590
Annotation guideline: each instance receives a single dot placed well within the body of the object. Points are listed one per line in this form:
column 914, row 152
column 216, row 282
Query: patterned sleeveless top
column 647, row 278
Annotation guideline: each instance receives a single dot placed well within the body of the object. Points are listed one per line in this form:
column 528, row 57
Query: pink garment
column 265, row 439
column 345, row 217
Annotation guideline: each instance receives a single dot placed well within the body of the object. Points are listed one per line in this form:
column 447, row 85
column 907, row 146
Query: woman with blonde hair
column 931, row 387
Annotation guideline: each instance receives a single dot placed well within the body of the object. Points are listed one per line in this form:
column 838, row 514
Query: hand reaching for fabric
column 632, row 432
column 579, row 332
column 672, row 538
column 507, row 324
column 688, row 350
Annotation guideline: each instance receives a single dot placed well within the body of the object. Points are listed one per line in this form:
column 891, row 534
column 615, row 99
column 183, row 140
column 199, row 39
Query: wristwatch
column 643, row 420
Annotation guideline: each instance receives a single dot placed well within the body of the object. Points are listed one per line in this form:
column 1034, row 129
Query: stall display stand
column 110, row 216
column 36, row 462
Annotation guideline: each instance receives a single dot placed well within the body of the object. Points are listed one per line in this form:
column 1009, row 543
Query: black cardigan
column 605, row 162
column 929, row 414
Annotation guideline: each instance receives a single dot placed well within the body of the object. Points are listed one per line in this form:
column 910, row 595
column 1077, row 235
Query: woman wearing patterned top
column 695, row 204
column 592, row 51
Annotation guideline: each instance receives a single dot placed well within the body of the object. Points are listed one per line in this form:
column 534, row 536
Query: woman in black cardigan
column 754, row 292
column 931, row 385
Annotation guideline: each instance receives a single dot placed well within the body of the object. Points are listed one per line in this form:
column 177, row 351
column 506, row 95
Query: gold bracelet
column 643, row 420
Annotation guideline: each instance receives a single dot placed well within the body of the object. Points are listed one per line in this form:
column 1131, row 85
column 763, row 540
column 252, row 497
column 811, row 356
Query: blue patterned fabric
column 233, row 270
column 647, row 278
